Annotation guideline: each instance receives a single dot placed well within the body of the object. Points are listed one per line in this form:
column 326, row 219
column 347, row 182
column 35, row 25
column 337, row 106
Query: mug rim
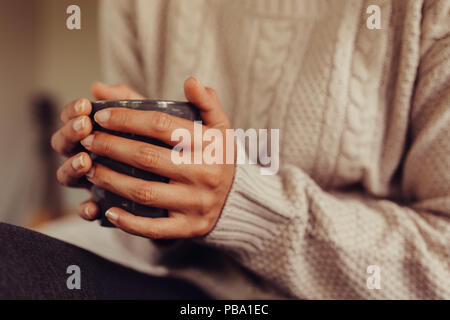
column 141, row 101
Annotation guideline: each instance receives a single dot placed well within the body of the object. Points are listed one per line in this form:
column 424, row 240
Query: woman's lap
column 34, row 266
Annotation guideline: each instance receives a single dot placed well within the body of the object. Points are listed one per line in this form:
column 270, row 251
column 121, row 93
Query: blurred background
column 43, row 66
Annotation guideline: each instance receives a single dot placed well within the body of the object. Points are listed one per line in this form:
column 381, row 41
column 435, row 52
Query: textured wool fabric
column 364, row 118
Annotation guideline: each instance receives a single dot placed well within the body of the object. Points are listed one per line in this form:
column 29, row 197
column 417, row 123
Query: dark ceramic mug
column 106, row 199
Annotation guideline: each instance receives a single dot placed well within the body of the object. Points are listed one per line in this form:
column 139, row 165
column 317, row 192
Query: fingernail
column 111, row 215
column 87, row 142
column 102, row 116
column 79, row 106
column 87, row 212
column 78, row 162
column 78, row 125
column 90, row 173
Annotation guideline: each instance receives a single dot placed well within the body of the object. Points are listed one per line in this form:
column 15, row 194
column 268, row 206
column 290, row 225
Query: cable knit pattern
column 355, row 143
column 364, row 117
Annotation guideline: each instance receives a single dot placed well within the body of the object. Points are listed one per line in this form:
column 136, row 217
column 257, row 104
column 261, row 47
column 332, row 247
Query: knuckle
column 59, row 142
column 144, row 194
column 124, row 91
column 213, row 93
column 61, row 175
column 64, row 115
column 153, row 233
column 161, row 121
column 208, row 203
column 53, row 142
column 213, row 176
column 148, row 157
column 203, row 226
column 68, row 111
column 122, row 118
column 102, row 179
column 106, row 146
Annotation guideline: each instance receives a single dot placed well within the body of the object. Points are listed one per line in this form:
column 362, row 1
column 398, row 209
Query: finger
column 76, row 108
column 66, row 139
column 102, row 91
column 138, row 154
column 71, row 172
column 153, row 124
column 88, row 210
column 207, row 100
column 150, row 193
column 175, row 226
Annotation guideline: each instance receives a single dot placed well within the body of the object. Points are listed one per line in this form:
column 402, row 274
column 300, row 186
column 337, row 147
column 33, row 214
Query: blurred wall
column 17, row 78
column 67, row 60
column 38, row 55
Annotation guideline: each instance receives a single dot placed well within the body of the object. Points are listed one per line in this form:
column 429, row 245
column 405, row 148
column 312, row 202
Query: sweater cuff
column 254, row 212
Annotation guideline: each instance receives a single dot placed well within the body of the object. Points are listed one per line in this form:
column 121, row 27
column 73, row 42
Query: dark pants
column 35, row 266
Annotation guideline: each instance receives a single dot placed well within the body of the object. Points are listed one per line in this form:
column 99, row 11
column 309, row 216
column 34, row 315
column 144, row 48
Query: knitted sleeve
column 315, row 244
column 119, row 45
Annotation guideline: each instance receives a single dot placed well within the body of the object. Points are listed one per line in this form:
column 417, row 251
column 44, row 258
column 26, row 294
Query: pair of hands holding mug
column 196, row 193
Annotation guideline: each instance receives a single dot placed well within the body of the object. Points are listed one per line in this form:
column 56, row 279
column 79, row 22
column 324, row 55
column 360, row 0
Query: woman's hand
column 77, row 126
column 196, row 193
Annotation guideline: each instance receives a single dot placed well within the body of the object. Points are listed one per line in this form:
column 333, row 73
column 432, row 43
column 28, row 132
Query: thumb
column 207, row 101
column 101, row 91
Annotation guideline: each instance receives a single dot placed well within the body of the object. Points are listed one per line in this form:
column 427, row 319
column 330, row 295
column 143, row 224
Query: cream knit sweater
column 364, row 119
